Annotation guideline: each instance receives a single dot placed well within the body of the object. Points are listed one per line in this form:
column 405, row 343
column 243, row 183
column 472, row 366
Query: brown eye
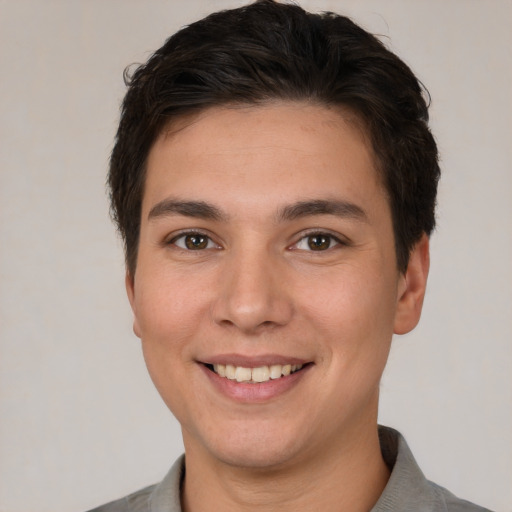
column 193, row 242
column 319, row 242
column 196, row 242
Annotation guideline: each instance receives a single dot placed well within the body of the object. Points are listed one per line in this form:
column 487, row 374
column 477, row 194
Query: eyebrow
column 207, row 211
column 196, row 209
column 335, row 207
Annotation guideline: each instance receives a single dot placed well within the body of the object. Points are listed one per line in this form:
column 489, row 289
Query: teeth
column 261, row 374
column 242, row 374
column 220, row 369
column 253, row 375
column 275, row 371
column 230, row 371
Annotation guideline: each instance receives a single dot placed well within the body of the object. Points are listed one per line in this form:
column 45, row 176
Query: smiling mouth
column 254, row 375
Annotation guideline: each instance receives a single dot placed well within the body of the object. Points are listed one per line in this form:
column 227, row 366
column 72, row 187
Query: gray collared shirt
column 407, row 489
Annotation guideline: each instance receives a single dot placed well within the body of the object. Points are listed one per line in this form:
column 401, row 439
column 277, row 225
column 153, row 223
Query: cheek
column 363, row 297
column 170, row 305
column 166, row 372
column 168, row 324
column 354, row 315
column 170, row 311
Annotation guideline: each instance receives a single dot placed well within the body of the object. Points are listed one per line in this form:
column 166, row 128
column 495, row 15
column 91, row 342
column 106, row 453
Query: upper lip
column 253, row 361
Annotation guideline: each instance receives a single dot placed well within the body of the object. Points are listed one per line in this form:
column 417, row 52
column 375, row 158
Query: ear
column 130, row 291
column 411, row 288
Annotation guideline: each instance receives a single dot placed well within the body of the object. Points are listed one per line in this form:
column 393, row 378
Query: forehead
column 252, row 150
column 271, row 118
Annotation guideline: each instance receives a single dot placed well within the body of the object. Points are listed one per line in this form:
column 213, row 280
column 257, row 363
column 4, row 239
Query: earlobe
column 130, row 291
column 412, row 288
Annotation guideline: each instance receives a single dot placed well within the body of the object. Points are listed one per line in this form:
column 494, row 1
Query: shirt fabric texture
column 407, row 489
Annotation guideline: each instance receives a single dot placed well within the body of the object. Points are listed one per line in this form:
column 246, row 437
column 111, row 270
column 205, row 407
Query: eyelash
column 331, row 240
column 192, row 234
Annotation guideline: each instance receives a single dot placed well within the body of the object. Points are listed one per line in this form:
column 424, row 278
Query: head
column 274, row 180
column 269, row 52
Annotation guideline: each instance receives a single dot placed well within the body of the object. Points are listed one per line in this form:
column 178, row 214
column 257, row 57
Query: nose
column 253, row 293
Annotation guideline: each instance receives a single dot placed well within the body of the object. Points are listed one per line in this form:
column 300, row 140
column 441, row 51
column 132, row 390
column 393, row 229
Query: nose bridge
column 252, row 289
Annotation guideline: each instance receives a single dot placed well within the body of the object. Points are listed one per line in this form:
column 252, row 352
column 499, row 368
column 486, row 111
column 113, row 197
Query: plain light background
column 80, row 422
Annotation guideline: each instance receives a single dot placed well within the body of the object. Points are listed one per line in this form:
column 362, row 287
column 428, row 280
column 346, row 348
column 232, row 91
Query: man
column 274, row 181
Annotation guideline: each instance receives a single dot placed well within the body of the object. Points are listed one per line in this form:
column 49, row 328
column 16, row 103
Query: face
column 266, row 291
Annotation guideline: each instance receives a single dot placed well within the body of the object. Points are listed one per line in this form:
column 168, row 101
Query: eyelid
column 172, row 238
column 336, row 237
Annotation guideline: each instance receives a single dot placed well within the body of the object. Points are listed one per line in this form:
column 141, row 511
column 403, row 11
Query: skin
column 256, row 289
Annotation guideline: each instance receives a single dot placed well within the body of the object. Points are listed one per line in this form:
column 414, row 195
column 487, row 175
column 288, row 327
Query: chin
column 255, row 457
column 253, row 448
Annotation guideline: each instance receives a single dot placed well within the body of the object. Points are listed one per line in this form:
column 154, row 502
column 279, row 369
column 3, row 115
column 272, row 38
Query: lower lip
column 258, row 392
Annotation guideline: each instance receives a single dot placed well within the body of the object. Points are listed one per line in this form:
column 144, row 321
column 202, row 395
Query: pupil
column 196, row 242
column 319, row 242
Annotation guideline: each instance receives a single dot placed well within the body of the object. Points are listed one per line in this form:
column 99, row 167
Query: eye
column 194, row 242
column 317, row 242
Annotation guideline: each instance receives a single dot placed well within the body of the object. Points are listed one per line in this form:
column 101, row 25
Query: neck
column 350, row 475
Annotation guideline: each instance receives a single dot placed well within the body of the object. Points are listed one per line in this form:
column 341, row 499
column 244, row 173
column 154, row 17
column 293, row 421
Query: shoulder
column 450, row 502
column 155, row 498
column 407, row 488
column 138, row 501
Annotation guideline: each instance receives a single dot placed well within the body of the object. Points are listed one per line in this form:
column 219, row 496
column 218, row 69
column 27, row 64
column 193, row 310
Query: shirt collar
column 166, row 495
column 407, row 487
